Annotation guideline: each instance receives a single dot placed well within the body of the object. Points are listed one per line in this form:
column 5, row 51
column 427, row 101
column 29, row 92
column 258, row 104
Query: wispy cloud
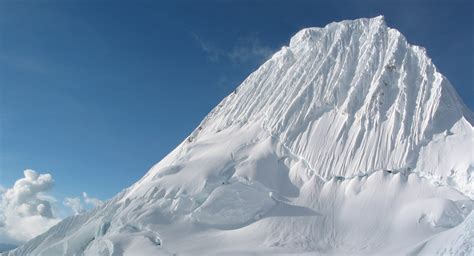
column 213, row 53
column 91, row 200
column 246, row 49
column 75, row 204
column 250, row 49
column 78, row 205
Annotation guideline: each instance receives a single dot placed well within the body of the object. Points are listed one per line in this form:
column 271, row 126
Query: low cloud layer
column 26, row 209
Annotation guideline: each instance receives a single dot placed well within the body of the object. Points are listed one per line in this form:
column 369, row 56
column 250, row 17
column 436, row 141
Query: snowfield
column 346, row 142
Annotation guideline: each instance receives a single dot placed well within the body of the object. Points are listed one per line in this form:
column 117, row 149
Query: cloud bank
column 25, row 209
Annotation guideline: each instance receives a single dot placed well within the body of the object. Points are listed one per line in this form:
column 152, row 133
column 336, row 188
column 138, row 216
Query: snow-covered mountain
column 347, row 141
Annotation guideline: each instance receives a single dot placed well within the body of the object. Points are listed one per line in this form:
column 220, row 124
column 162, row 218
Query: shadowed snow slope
column 348, row 141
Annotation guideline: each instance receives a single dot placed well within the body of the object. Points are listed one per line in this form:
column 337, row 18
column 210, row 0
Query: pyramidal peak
column 376, row 99
column 347, row 132
column 309, row 35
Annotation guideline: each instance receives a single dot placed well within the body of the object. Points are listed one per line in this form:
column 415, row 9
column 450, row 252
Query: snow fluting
column 348, row 141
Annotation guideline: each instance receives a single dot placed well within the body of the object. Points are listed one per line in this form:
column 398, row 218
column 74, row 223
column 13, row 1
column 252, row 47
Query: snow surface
column 348, row 141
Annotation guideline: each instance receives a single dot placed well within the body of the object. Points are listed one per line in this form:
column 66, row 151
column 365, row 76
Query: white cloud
column 92, row 201
column 25, row 209
column 78, row 205
column 246, row 49
column 213, row 53
column 75, row 204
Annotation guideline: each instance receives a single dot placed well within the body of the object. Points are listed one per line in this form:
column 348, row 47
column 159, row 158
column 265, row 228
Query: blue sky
column 96, row 92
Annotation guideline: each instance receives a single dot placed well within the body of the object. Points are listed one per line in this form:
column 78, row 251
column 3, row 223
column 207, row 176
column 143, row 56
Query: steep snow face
column 346, row 133
column 456, row 241
column 352, row 98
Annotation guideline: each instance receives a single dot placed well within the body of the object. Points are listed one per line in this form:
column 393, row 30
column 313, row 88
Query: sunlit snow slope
column 348, row 141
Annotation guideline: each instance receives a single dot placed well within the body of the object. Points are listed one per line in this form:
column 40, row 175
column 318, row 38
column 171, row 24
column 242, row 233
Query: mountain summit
column 347, row 141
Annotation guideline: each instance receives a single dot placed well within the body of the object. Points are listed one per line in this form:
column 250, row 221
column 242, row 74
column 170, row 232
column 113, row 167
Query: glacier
column 348, row 141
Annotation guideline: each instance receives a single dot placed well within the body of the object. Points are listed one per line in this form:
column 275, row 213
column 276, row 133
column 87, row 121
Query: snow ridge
column 347, row 141
column 350, row 98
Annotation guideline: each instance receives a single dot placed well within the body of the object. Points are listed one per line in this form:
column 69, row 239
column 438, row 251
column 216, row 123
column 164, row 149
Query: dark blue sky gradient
column 96, row 92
